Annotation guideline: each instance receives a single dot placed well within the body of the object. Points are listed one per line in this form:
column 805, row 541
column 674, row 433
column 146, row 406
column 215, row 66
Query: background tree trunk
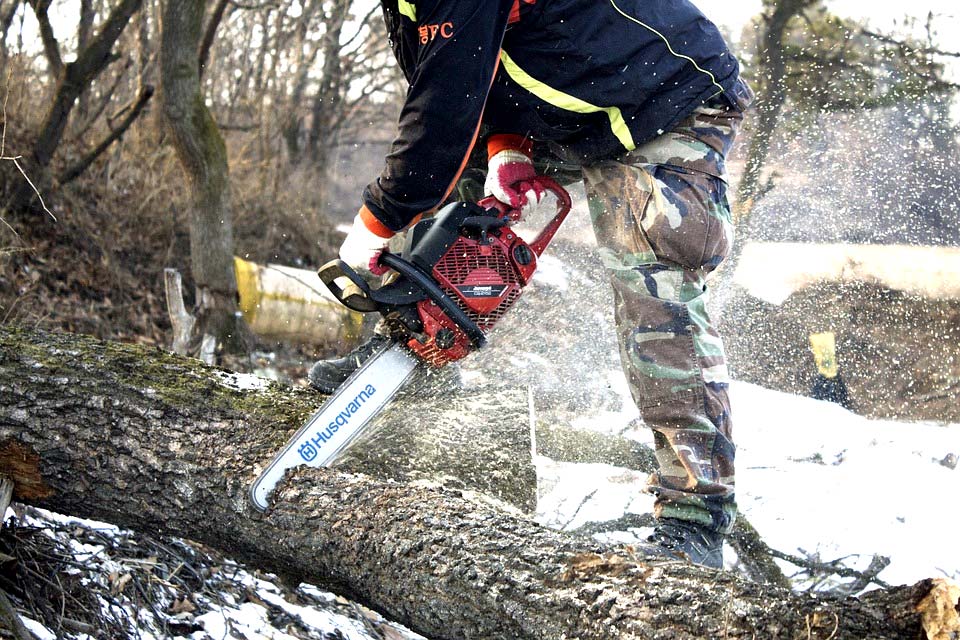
column 152, row 441
column 203, row 154
column 772, row 68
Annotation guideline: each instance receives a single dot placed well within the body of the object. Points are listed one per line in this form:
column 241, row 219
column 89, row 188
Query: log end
column 938, row 610
column 22, row 465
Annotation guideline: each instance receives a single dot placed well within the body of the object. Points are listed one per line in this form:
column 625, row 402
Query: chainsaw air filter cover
column 479, row 262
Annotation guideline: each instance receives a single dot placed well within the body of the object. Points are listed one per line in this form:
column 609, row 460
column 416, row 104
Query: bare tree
column 72, row 80
column 772, row 68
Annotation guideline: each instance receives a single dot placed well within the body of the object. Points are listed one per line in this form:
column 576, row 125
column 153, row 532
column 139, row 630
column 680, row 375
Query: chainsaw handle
column 539, row 244
column 357, row 295
column 564, row 204
column 360, row 297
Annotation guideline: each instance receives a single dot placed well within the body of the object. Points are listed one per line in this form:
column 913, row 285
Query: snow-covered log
column 151, row 441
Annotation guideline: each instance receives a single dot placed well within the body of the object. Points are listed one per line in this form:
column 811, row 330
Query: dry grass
column 97, row 268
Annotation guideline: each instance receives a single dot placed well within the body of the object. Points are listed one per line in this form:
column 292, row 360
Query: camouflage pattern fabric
column 663, row 223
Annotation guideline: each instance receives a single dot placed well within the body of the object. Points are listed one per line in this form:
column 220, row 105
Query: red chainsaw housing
column 484, row 274
column 485, row 279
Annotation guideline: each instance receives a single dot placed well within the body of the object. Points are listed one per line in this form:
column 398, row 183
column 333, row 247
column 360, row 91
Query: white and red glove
column 511, row 178
column 366, row 240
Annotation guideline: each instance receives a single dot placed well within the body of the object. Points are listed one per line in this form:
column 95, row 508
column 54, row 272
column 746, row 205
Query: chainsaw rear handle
column 546, row 234
column 356, row 295
column 359, row 296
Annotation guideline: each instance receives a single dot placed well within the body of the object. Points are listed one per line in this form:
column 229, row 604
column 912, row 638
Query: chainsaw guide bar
column 341, row 419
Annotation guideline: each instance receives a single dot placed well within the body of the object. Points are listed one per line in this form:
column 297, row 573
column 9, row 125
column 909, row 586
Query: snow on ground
column 816, row 477
column 813, row 478
column 139, row 597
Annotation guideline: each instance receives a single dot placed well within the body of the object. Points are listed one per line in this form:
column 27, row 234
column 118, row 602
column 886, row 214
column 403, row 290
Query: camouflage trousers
column 662, row 221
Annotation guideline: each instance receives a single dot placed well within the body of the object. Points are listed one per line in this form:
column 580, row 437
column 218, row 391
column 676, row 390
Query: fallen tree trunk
column 151, row 441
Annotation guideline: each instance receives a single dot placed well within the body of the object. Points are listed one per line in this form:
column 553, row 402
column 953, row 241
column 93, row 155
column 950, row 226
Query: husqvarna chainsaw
column 459, row 273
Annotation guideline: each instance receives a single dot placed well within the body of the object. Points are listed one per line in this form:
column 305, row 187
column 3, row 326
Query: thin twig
column 833, row 568
column 16, row 161
column 6, row 96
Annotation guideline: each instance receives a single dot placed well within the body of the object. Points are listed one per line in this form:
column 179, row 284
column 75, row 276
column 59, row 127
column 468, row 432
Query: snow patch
column 812, row 477
column 241, row 381
column 37, row 629
column 815, row 477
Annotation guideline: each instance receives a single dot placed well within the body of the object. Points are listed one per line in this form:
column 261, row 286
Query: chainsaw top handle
column 539, row 244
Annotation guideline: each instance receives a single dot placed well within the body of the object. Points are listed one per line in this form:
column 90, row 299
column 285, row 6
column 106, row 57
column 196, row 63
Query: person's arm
column 459, row 51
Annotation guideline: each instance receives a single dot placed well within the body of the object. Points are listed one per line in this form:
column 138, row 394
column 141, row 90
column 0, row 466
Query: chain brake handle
column 356, row 294
column 539, row 244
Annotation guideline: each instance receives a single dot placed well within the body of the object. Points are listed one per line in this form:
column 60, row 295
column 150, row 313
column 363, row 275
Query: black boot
column 689, row 541
column 326, row 375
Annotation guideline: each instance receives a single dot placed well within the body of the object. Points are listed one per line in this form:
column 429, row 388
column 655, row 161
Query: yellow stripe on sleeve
column 408, row 9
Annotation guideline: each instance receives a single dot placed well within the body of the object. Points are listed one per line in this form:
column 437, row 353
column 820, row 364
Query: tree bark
column 156, row 442
column 76, row 76
column 772, row 68
column 84, row 33
column 51, row 48
column 7, row 14
column 203, row 155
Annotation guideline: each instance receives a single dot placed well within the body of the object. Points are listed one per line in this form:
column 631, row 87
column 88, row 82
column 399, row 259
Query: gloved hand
column 366, row 240
column 511, row 178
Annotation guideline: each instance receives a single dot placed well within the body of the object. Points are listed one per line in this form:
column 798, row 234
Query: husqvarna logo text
column 311, row 448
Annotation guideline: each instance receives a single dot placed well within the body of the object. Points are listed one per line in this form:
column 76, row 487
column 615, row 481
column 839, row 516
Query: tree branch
column 81, row 165
column 878, row 564
column 6, row 20
column 105, row 100
column 209, row 34
column 909, row 47
column 51, row 48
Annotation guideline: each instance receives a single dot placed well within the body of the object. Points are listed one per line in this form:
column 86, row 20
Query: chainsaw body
column 459, row 274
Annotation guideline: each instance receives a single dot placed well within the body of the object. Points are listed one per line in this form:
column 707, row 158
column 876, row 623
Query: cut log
column 152, row 441
column 452, row 439
column 579, row 445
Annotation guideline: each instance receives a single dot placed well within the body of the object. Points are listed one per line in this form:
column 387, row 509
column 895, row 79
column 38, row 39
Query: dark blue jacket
column 594, row 78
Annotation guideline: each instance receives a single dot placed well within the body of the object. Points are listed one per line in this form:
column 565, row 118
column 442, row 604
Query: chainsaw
column 459, row 272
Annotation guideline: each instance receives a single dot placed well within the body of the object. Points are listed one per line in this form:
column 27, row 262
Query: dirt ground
column 898, row 354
